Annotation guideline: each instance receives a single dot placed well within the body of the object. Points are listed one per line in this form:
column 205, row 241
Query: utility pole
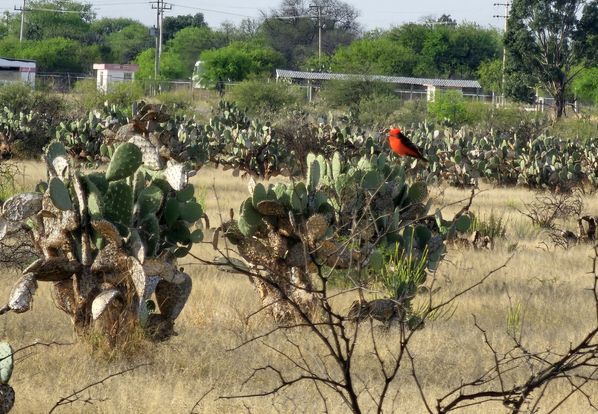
column 319, row 9
column 504, row 49
column 22, row 10
column 159, row 6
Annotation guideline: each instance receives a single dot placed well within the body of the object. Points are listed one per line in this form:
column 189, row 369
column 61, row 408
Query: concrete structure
column 111, row 73
column 17, row 70
column 412, row 87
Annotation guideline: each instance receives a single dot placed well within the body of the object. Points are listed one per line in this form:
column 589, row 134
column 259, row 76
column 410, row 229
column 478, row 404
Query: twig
column 74, row 397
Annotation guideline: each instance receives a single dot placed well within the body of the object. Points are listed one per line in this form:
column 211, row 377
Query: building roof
column 16, row 63
column 451, row 83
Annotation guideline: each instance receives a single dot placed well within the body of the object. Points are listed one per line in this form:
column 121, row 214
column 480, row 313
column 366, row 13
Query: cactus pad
column 149, row 200
column 7, row 398
column 463, row 223
column 185, row 194
column 22, row 206
column 418, row 192
column 60, row 194
column 101, row 302
column 118, row 203
column 6, row 362
column 171, row 211
column 176, row 176
column 127, row 158
column 190, row 211
column 259, row 194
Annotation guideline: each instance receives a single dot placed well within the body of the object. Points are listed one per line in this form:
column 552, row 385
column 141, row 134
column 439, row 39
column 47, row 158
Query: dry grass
column 551, row 286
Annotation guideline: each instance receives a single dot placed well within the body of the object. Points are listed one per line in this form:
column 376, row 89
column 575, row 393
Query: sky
column 373, row 13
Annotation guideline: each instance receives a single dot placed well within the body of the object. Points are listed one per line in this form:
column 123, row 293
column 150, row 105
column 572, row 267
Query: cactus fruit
column 6, row 362
column 125, row 161
column 60, row 194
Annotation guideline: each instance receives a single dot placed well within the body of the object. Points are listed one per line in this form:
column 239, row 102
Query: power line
column 211, row 10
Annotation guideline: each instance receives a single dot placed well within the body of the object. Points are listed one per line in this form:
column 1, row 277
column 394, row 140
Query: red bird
column 401, row 145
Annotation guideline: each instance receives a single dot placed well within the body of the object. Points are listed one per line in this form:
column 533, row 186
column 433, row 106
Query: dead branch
column 76, row 397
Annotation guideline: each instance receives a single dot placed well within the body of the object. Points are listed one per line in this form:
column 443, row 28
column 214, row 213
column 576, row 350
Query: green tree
column 53, row 55
column 146, row 62
column 447, row 51
column 490, row 75
column 585, row 85
column 189, row 43
column 48, row 19
column 128, row 42
column 296, row 36
column 545, row 40
column 380, row 56
column 173, row 24
column 239, row 60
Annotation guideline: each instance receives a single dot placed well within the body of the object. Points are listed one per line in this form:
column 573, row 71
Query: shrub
column 120, row 94
column 491, row 225
column 378, row 111
column 259, row 96
column 348, row 93
column 449, row 108
column 177, row 101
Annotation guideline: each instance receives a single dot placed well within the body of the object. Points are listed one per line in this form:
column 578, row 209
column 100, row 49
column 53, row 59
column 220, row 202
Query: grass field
column 551, row 287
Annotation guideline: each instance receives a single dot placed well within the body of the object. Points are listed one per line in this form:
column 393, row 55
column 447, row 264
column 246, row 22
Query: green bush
column 20, row 97
column 413, row 113
column 378, row 111
column 449, row 108
column 262, row 97
column 120, row 94
column 178, row 101
column 347, row 94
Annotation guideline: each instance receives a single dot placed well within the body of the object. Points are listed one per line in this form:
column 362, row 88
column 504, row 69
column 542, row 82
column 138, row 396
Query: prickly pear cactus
column 346, row 215
column 7, row 394
column 118, row 233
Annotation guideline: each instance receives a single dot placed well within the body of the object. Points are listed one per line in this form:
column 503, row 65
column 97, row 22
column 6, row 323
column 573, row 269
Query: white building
column 110, row 73
column 17, row 70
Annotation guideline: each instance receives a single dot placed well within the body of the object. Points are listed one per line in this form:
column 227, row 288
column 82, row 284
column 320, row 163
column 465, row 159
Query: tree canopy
column 548, row 41
column 420, row 50
column 173, row 24
column 292, row 28
column 239, row 60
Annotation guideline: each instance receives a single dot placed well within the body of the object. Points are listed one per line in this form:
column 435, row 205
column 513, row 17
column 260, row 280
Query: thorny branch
column 76, row 395
column 543, row 369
